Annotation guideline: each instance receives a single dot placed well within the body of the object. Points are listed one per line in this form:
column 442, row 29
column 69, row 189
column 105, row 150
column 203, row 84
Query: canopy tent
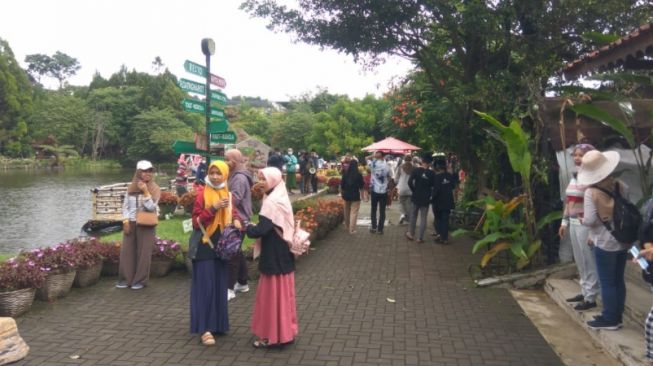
column 391, row 145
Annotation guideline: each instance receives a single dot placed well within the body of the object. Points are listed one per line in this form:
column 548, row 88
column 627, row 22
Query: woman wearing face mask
column 571, row 222
column 275, row 315
column 208, row 294
column 137, row 241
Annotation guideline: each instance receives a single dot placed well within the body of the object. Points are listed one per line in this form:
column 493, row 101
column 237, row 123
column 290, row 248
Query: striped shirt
column 574, row 199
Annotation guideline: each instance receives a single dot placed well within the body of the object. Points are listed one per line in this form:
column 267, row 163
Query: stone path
column 345, row 289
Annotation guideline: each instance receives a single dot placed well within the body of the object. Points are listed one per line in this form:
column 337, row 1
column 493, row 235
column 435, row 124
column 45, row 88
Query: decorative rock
column 12, row 345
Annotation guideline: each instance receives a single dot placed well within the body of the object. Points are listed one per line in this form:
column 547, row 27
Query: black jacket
column 351, row 188
column 276, row 257
column 421, row 184
column 443, row 188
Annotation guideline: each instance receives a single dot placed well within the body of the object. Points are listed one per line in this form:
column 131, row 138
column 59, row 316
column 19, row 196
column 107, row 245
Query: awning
column 391, row 145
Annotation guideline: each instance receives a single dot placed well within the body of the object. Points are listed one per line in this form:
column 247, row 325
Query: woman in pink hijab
column 275, row 315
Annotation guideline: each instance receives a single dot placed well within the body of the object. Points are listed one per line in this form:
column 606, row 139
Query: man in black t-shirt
column 442, row 200
column 421, row 184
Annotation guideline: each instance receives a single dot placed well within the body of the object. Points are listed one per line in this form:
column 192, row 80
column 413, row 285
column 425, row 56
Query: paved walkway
column 345, row 316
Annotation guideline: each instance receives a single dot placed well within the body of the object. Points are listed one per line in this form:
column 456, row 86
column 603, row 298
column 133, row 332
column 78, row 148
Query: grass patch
column 173, row 230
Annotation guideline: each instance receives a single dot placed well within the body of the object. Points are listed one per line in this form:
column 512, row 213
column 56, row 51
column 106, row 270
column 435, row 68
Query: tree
column 153, row 133
column 493, row 56
column 157, row 64
column 66, row 117
column 15, row 104
column 59, row 66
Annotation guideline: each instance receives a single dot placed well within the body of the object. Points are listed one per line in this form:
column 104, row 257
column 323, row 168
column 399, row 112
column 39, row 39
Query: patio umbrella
column 391, row 145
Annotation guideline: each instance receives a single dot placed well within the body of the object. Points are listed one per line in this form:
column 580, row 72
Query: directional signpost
column 216, row 121
column 227, row 137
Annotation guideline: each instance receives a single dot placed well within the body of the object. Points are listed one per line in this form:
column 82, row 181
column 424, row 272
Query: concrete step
column 626, row 345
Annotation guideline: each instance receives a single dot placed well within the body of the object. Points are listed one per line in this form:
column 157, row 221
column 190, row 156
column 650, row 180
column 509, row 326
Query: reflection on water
column 43, row 208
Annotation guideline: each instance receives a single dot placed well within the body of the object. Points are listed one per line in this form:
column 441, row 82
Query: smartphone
column 634, row 250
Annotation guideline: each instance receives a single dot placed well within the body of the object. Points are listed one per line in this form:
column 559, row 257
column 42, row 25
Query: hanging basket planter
column 160, row 267
column 57, row 284
column 16, row 303
column 88, row 276
column 110, row 269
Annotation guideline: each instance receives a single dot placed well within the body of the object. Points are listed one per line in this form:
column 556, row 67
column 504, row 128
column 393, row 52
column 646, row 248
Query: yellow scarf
column 214, row 195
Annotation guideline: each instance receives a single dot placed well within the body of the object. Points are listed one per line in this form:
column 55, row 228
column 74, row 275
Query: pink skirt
column 275, row 313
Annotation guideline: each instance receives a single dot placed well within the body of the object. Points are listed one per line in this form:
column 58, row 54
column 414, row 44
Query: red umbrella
column 391, row 145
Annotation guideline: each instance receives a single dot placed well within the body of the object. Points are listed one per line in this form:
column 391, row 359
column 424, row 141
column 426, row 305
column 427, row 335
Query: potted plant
column 334, row 184
column 187, row 200
column 110, row 253
column 167, row 203
column 163, row 256
column 60, row 263
column 19, row 279
column 89, row 262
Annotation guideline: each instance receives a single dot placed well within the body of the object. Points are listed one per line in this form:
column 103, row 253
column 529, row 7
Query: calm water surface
column 46, row 207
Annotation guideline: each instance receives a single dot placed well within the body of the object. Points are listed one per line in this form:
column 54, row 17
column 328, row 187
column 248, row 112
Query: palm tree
column 60, row 153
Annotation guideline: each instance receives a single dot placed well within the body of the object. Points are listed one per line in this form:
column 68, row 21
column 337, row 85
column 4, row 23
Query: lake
column 43, row 208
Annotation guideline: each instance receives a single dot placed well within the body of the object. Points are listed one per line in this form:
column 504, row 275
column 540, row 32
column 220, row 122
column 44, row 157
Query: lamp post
column 208, row 49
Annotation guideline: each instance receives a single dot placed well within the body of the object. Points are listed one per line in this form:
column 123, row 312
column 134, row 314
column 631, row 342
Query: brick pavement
column 344, row 316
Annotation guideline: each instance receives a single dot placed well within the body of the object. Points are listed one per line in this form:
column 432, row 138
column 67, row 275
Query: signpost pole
column 208, row 48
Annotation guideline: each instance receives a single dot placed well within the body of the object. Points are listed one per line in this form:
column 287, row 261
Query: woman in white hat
column 610, row 255
column 138, row 239
column 578, row 233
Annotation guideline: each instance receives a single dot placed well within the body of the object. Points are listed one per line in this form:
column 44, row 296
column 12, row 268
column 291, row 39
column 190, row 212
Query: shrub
column 188, row 201
column 86, row 252
column 167, row 249
column 60, row 258
column 334, row 182
column 109, row 251
column 20, row 273
column 168, row 198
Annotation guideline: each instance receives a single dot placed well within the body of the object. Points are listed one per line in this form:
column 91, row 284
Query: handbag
column 145, row 218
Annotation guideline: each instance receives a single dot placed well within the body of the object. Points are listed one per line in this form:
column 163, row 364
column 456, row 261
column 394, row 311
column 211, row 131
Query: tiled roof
column 633, row 45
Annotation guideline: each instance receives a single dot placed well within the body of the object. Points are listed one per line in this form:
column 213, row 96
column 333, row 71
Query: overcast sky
column 103, row 35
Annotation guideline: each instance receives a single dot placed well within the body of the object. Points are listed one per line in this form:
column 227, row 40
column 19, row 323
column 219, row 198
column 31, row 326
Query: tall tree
column 15, row 104
column 59, row 66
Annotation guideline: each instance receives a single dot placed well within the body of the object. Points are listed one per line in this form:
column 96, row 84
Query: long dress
column 208, row 291
column 275, row 312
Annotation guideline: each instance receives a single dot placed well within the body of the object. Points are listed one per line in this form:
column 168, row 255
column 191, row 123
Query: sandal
column 207, row 339
column 261, row 343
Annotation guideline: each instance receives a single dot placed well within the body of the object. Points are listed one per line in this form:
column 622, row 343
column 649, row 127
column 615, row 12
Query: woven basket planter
column 160, row 267
column 110, row 269
column 16, row 303
column 56, row 285
column 88, row 276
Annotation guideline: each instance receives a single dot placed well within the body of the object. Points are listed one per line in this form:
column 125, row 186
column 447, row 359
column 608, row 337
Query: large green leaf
column 516, row 141
column 461, row 232
column 517, row 250
column 550, row 217
column 498, row 247
column 606, row 118
column 489, row 239
column 600, row 38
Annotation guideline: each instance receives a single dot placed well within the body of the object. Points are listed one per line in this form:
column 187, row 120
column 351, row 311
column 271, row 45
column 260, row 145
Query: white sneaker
column 241, row 288
column 230, row 294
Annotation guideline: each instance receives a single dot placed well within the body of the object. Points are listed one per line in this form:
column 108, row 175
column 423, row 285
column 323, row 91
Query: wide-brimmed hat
column 597, row 166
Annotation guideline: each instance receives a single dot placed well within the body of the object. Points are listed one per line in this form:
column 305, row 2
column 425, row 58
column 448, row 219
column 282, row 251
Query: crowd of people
column 416, row 182
column 223, row 200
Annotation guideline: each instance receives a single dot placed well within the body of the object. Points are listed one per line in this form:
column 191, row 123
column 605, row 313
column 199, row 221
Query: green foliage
column 59, row 66
column 152, row 134
column 516, row 142
column 15, row 105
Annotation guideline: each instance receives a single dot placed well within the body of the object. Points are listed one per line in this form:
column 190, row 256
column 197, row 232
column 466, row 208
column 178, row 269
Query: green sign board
column 227, row 137
column 193, row 106
column 186, row 147
column 197, row 106
column 194, row 68
column 219, row 97
column 192, row 86
column 218, row 126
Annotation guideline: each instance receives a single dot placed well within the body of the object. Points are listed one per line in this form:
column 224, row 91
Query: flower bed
column 167, row 202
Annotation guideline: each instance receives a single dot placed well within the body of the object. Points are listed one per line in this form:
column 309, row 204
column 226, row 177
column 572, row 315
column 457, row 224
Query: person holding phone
column 137, row 240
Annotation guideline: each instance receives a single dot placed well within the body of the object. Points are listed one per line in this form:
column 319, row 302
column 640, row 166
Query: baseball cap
column 144, row 165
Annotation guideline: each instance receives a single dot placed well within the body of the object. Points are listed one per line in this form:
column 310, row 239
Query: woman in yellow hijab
column 208, row 294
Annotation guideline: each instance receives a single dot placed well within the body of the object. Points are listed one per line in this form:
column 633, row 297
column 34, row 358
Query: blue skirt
column 208, row 297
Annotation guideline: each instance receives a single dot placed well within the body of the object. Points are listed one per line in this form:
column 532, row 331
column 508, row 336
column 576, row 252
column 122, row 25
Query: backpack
column 300, row 242
column 626, row 218
column 229, row 243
